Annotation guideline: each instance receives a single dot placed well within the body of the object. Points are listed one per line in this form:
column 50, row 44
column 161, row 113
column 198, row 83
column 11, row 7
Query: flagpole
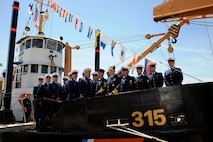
column 97, row 50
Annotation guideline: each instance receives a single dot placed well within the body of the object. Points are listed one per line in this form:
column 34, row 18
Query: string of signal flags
column 78, row 22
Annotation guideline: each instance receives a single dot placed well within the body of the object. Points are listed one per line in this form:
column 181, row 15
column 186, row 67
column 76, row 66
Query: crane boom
column 156, row 44
column 177, row 10
column 183, row 10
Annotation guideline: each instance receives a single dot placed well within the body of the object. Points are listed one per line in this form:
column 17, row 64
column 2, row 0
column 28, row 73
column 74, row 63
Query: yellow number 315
column 154, row 117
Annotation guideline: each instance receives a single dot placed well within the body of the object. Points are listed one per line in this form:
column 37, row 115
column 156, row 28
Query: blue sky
column 126, row 22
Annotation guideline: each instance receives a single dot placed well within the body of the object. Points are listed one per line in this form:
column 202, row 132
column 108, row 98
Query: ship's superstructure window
column 34, row 68
column 60, row 71
column 60, row 48
column 37, row 43
column 44, row 69
column 18, row 77
column 51, row 45
column 28, row 43
column 22, row 46
column 52, row 69
column 25, row 68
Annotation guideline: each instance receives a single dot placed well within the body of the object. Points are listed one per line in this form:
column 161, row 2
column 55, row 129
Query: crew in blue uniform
column 101, row 86
column 43, row 95
column 27, row 107
column 113, row 82
column 95, row 77
column 37, row 101
column 155, row 78
column 142, row 81
column 55, row 94
column 65, row 88
column 72, row 85
column 173, row 76
column 127, row 82
column 86, row 86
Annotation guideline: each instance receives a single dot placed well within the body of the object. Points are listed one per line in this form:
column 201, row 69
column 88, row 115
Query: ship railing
column 118, row 125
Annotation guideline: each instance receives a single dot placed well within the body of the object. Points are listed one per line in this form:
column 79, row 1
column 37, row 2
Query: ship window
column 60, row 71
column 34, row 68
column 37, row 43
column 18, row 77
column 60, row 47
column 28, row 44
column 44, row 69
column 25, row 68
column 18, row 81
column 53, row 69
column 21, row 48
column 51, row 45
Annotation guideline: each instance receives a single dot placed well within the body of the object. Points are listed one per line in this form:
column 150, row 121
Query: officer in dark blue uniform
column 113, row 82
column 72, row 86
column 155, row 78
column 27, row 106
column 142, row 81
column 173, row 76
column 55, row 95
column 65, row 88
column 86, row 86
column 127, row 82
column 37, row 101
column 43, row 95
column 101, row 86
column 95, row 78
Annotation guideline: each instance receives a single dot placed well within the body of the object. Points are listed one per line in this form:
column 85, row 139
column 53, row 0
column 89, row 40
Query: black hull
column 192, row 104
column 176, row 114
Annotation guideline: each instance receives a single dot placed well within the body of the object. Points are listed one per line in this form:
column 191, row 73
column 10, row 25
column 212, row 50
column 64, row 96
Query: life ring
column 21, row 97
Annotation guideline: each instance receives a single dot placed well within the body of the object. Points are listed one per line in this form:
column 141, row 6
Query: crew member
column 95, row 78
column 173, row 76
column 65, row 88
column 55, row 94
column 37, row 101
column 101, row 86
column 155, row 78
column 72, row 86
column 113, row 82
column 43, row 95
column 142, row 81
column 86, row 86
column 27, row 107
column 127, row 82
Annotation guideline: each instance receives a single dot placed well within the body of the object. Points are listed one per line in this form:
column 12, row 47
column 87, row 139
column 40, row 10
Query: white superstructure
column 38, row 56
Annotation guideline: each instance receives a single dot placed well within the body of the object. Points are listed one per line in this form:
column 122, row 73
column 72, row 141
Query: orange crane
column 177, row 10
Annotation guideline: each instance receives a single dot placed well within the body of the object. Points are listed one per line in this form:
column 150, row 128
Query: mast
column 97, row 50
column 7, row 114
column 40, row 27
column 43, row 16
column 67, row 59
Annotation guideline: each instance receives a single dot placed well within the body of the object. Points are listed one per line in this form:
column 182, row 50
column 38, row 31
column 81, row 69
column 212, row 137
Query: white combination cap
column 139, row 66
column 171, row 59
column 125, row 68
column 152, row 64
